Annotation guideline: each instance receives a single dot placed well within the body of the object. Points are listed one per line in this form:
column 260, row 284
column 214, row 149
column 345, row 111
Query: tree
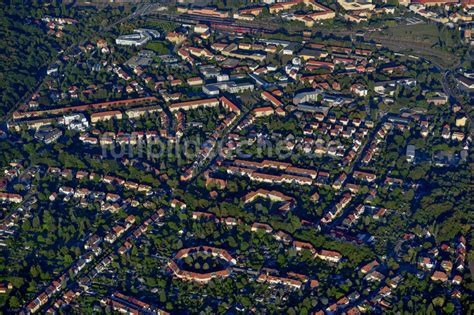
column 36, row 222
column 14, row 302
column 449, row 308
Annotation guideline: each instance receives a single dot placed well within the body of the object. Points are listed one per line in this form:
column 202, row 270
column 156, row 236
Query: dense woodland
column 25, row 52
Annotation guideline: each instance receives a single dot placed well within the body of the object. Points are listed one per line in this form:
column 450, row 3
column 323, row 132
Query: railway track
column 269, row 27
column 218, row 23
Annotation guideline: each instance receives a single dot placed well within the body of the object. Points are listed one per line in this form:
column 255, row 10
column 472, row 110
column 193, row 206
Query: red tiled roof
column 81, row 108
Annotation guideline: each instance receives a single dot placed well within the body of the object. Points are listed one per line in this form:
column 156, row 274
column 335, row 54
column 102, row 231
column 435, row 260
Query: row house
column 186, row 56
column 177, row 204
column 229, row 105
column 230, row 221
column 135, row 113
column 299, row 246
column 439, row 276
column 200, row 52
column 203, row 103
column 14, row 198
column 197, row 277
column 81, row 193
column 115, row 233
column 256, row 226
column 369, row 154
column 104, row 116
column 68, row 191
column 379, row 213
column 328, row 255
column 282, row 237
column 364, row 176
column 198, row 215
column 124, row 248
column 374, row 276
column 337, row 209
column 108, row 179
column 83, row 108
column 44, row 297
column 263, row 111
column 130, row 305
column 274, row 280
column 110, row 207
column 302, row 172
column 282, row 166
column 354, row 216
column 369, row 267
column 215, row 182
column 272, row 99
column 94, row 240
column 273, row 195
column 337, row 185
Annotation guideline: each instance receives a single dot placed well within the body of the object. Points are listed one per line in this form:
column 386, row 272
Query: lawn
column 159, row 47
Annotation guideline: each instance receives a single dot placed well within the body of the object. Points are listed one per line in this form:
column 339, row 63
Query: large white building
column 214, row 89
column 356, row 5
column 305, row 97
column 411, row 149
column 139, row 38
column 76, row 122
